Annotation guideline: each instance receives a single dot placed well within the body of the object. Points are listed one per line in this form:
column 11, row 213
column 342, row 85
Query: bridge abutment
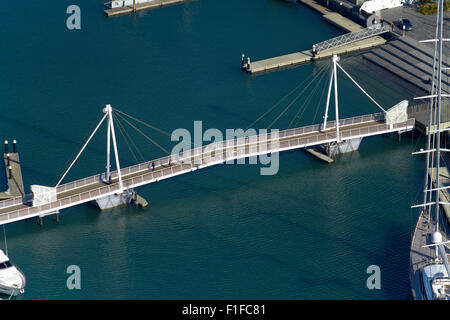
column 333, row 149
column 116, row 200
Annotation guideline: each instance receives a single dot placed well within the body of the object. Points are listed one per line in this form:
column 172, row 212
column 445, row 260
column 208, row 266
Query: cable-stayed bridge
column 116, row 187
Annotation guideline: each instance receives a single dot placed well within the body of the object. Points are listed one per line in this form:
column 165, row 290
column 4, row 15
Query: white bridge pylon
column 333, row 80
column 110, row 133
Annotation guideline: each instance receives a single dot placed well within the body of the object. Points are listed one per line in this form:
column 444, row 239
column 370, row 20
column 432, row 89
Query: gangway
column 351, row 37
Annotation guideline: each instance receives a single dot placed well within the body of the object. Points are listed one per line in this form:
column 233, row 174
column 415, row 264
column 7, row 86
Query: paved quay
column 424, row 27
column 306, row 56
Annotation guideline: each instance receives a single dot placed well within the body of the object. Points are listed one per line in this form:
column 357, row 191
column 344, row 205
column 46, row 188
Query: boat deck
column 420, row 256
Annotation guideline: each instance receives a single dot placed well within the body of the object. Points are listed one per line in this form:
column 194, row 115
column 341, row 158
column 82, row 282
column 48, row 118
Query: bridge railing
column 351, row 37
column 165, row 160
column 179, row 168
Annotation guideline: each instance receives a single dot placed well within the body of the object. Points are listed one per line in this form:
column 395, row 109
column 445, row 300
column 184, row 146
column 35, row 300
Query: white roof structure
column 377, row 5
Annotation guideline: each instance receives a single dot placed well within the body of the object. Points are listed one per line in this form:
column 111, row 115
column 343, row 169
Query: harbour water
column 225, row 232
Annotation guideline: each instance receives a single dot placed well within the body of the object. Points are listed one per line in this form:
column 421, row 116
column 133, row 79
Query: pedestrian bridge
column 113, row 188
column 94, row 187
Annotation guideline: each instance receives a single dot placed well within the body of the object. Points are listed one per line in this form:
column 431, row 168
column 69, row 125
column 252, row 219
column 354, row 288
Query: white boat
column 436, row 282
column 12, row 280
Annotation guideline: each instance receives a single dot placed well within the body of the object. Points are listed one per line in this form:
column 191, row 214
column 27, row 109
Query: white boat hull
column 11, row 291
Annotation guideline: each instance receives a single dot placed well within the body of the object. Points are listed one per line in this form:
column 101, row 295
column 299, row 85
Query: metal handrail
column 199, row 151
column 351, row 37
column 148, row 177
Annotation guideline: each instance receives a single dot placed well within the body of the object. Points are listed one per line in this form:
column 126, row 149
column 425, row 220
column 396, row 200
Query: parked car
column 406, row 23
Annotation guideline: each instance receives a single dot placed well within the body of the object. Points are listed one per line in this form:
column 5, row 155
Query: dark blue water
column 309, row 232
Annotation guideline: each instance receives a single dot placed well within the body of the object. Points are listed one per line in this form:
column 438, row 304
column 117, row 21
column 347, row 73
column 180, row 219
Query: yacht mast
column 431, row 137
column 438, row 115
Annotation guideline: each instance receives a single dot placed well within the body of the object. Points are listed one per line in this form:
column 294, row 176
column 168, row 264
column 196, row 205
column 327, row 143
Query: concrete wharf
column 409, row 60
column 305, row 56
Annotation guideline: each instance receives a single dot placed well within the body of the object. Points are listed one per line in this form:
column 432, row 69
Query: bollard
column 403, row 34
column 248, row 63
column 10, row 172
column 7, row 159
column 14, row 146
column 6, row 146
column 242, row 60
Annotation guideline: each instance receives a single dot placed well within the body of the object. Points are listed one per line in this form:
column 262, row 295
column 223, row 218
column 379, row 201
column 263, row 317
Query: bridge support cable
column 296, row 98
column 286, row 96
column 121, row 115
column 301, row 110
column 144, row 135
column 129, row 141
column 82, row 149
column 143, row 123
column 364, row 91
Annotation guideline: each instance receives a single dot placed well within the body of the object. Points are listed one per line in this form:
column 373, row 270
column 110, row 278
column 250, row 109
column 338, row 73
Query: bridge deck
column 91, row 188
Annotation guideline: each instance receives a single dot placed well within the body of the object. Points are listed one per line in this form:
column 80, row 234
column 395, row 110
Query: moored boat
column 429, row 266
column 12, row 280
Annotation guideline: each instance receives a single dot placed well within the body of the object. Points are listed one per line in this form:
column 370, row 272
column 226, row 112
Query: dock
column 112, row 12
column 297, row 58
column 13, row 174
column 306, row 56
column 333, row 17
column 139, row 201
column 319, row 155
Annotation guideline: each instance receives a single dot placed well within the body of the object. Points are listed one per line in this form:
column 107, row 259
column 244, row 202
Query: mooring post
column 14, row 146
column 10, row 172
column 7, row 159
column 6, row 146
